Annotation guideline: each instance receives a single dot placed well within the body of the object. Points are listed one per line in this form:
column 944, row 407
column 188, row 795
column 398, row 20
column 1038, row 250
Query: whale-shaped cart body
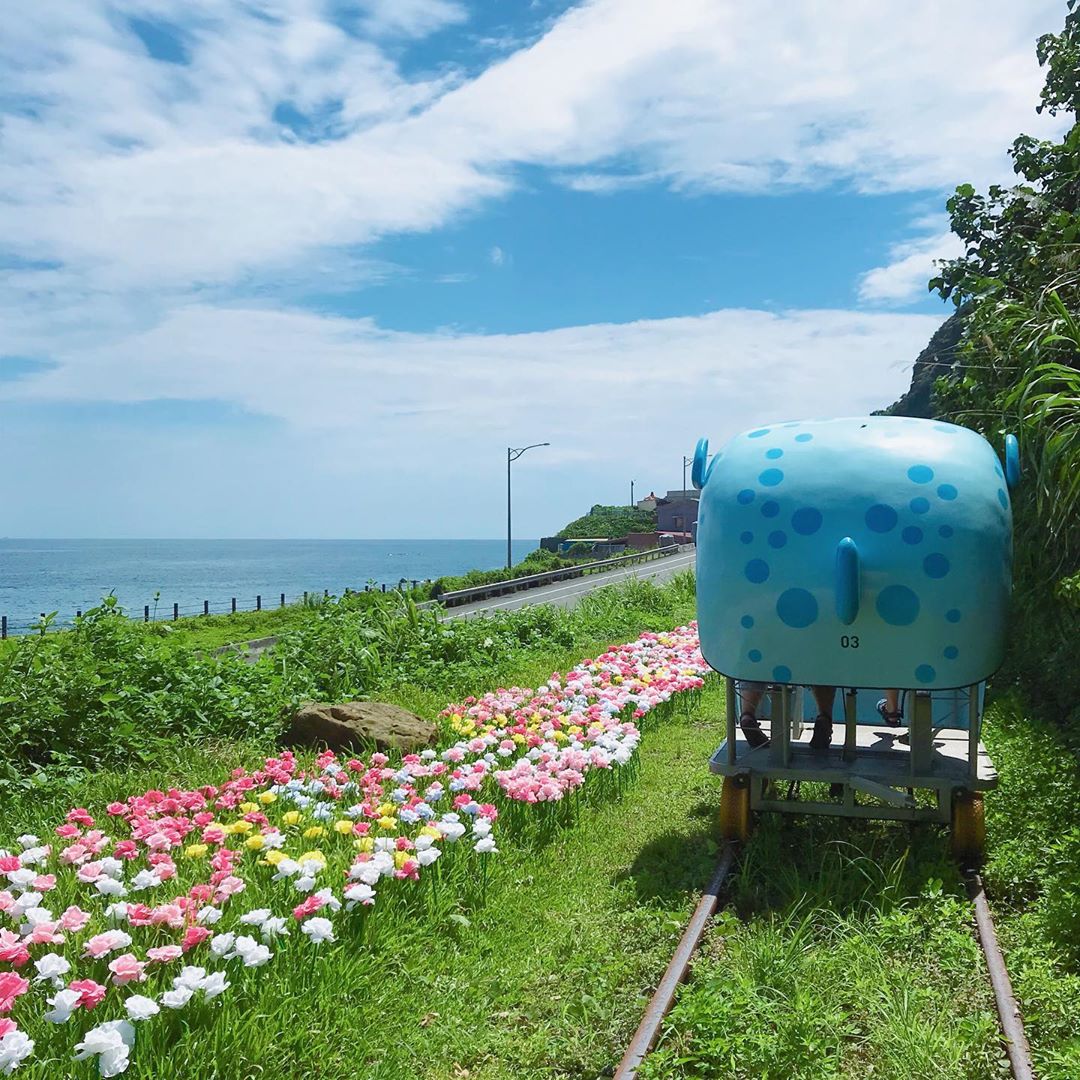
column 866, row 554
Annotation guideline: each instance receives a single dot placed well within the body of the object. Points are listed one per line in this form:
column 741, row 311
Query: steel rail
column 664, row 995
column 1012, row 1023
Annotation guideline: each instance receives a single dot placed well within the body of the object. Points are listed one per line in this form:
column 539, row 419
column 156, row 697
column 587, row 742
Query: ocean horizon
column 42, row 575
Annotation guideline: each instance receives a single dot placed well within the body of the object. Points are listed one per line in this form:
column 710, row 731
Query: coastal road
column 565, row 594
column 569, row 593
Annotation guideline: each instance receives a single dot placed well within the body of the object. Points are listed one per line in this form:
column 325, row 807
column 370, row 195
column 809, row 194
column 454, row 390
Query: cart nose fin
column 847, row 581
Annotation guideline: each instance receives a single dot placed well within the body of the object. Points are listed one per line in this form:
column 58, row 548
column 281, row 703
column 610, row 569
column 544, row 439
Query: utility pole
column 511, row 456
column 631, row 494
column 685, row 462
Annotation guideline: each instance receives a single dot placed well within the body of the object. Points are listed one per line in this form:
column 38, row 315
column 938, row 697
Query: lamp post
column 511, row 456
column 631, row 494
column 685, row 461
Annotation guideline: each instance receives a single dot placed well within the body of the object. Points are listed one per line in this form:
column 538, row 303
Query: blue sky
column 307, row 267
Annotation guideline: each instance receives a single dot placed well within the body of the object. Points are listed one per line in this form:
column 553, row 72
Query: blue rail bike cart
column 869, row 555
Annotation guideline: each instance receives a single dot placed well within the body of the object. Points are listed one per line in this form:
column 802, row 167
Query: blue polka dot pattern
column 774, row 453
column 770, row 508
column 936, row 565
column 804, row 437
column 951, row 652
column 925, row 673
column 757, row 434
column 881, row 518
column 953, row 615
column 757, row 571
column 920, row 474
column 755, row 655
column 806, row 521
column 797, row 608
column 781, row 673
column 777, row 539
column 912, row 535
column 771, row 477
column 746, row 496
column 919, row 505
column 1003, row 499
column 898, row 605
column 947, row 492
column 746, row 537
column 945, row 531
column 747, row 621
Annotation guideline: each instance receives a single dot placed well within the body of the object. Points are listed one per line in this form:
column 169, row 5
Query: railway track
column 1010, row 1021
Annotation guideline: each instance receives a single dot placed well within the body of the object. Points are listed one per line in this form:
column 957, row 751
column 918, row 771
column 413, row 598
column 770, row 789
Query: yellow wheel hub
column 968, row 828
column 735, row 809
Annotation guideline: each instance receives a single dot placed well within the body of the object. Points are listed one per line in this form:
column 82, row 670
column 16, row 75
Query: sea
column 39, row 577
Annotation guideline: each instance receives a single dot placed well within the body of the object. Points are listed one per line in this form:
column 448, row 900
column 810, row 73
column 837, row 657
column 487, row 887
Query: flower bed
column 173, row 895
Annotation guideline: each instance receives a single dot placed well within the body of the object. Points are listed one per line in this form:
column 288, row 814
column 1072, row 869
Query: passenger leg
column 822, row 737
column 750, row 695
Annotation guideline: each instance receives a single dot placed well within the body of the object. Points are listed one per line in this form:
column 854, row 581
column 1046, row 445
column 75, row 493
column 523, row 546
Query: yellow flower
column 291, row 817
column 254, row 843
column 267, row 797
column 365, row 843
column 387, row 822
column 387, row 809
column 248, row 808
column 313, row 856
column 616, row 679
column 344, row 826
column 559, row 736
column 273, row 857
column 314, row 832
column 518, row 738
column 400, row 858
column 195, row 851
column 241, row 827
column 430, row 830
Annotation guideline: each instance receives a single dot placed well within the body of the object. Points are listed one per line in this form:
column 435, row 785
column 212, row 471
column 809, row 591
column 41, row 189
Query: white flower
column 208, row 915
column 273, row 839
column 359, row 894
column 191, row 977
column 255, row 917
column 426, row 856
column 214, row 984
column 22, row 877
column 177, row 998
column 35, row 916
column 118, row 911
column 319, row 930
column 63, row 1003
column 222, row 945
column 311, row 867
column 481, row 827
column 274, row 926
column 51, row 966
column 255, row 956
column 112, row 1043
column 34, row 855
column 28, row 900
column 107, row 886
column 329, row 899
column 113, row 867
column 286, row 868
column 140, row 1007
column 145, row 879
column 28, row 840
column 304, row 884
column 15, row 1047
column 486, row 845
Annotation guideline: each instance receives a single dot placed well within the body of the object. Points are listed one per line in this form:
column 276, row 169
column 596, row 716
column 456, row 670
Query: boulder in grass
column 359, row 725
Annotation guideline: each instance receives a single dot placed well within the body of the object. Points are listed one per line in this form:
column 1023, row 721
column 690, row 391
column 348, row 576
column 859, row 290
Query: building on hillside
column 676, row 513
column 648, row 503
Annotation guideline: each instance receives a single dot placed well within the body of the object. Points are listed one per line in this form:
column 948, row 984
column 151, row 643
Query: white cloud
column 496, row 256
column 911, row 265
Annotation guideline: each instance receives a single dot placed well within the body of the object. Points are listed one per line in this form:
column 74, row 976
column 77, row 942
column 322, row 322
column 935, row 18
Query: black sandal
column 822, row 737
column 751, row 729
column 893, row 719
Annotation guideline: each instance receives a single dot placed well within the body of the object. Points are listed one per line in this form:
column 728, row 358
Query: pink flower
column 164, row 954
column 9, row 864
column 68, row 832
column 89, row 872
column 139, row 914
column 126, row 968
column 102, row 944
column 167, row 915
column 45, row 934
column 308, row 907
column 45, row 882
column 194, row 935
column 80, row 816
column 11, row 986
column 126, row 849
column 7, row 1026
column 7, row 901
column 116, row 809
column 91, row 994
column 230, row 886
column 74, row 919
column 13, row 949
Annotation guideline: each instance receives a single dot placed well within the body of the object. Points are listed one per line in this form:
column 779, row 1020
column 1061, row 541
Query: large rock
column 359, row 725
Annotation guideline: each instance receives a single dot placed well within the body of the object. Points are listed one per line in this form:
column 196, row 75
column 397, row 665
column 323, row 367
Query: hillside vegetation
column 610, row 521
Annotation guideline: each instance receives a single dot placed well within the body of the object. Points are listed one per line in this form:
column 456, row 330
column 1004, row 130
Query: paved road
column 569, row 593
column 562, row 594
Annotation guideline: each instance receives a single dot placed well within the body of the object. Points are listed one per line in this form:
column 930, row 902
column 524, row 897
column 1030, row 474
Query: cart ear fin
column 847, row 581
column 1012, row 461
column 698, row 474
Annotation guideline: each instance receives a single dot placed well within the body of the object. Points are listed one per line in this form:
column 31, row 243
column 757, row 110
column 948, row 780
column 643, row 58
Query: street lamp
column 511, row 456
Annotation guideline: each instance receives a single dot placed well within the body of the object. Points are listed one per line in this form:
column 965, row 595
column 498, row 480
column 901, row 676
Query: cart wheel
column 968, row 828
column 735, row 809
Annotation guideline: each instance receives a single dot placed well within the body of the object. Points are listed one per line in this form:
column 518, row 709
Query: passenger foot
column 822, row 737
column 751, row 729
column 893, row 719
